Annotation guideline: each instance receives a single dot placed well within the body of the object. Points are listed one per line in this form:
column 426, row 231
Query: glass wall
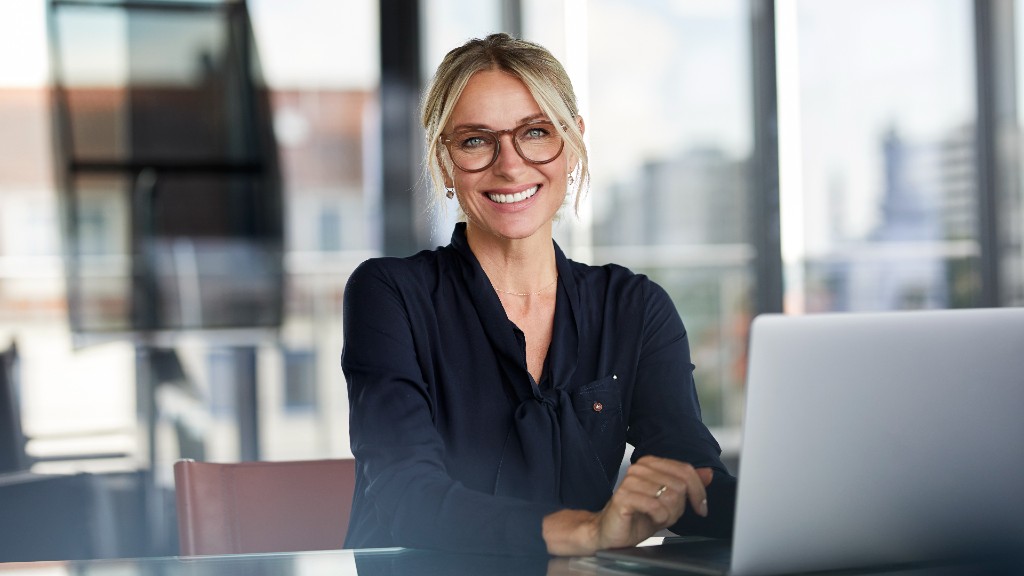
column 70, row 402
column 877, row 140
column 669, row 126
column 320, row 62
column 322, row 68
column 879, row 193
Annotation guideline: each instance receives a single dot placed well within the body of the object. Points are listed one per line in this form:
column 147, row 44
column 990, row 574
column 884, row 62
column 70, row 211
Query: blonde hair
column 532, row 64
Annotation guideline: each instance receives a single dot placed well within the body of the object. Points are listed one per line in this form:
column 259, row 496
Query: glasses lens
column 472, row 150
column 539, row 141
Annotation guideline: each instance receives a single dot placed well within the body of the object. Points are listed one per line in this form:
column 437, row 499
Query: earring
column 572, row 179
column 450, row 193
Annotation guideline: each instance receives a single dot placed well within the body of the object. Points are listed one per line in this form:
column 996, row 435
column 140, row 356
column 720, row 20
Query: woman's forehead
column 495, row 99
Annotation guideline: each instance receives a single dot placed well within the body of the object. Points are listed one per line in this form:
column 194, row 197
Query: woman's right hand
column 653, row 495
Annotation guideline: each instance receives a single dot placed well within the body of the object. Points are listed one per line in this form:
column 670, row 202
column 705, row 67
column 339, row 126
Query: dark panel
column 765, row 173
column 401, row 135
column 997, row 134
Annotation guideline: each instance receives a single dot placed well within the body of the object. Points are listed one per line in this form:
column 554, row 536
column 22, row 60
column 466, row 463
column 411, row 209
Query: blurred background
column 186, row 185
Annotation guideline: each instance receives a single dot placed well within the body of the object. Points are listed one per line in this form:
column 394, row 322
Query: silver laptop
column 874, row 439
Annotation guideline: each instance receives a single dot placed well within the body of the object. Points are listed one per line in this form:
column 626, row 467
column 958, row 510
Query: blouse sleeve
column 665, row 418
column 399, row 452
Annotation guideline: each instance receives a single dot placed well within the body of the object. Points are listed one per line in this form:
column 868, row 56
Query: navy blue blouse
column 458, row 448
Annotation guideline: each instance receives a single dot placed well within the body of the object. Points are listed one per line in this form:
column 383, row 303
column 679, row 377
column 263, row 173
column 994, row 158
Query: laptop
column 873, row 439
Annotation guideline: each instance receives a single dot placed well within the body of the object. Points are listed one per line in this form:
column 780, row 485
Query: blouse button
column 598, row 406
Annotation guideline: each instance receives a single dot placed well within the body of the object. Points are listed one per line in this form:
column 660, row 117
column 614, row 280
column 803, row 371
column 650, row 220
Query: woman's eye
column 471, row 142
column 536, row 133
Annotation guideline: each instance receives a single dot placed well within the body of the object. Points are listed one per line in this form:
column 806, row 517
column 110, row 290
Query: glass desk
column 389, row 562
column 323, row 563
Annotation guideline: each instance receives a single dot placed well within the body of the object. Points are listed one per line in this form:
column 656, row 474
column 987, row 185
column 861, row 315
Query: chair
column 253, row 507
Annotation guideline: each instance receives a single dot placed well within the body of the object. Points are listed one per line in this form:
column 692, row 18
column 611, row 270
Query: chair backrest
column 251, row 507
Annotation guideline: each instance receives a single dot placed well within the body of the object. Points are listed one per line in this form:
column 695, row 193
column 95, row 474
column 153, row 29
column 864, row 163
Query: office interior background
column 186, row 185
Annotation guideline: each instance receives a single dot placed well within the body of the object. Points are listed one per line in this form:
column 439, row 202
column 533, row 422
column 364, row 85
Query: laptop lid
column 881, row 438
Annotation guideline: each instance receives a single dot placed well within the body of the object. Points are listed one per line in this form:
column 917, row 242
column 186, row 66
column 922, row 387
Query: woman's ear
column 449, row 182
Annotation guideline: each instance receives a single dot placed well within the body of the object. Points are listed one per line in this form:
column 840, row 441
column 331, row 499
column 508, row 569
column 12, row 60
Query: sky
column 23, row 43
column 860, row 69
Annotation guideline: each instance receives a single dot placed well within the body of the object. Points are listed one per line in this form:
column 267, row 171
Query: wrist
column 571, row 533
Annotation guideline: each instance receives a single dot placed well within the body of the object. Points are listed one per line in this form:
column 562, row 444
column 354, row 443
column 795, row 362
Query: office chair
column 252, row 507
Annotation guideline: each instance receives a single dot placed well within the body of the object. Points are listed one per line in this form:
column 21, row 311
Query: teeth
column 510, row 198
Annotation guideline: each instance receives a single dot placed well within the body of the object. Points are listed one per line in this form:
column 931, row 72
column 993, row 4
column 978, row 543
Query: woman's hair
column 531, row 63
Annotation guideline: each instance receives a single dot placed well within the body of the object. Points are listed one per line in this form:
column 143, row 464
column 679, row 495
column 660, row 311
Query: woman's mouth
column 511, row 198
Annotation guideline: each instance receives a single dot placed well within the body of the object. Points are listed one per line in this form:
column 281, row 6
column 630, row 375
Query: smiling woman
column 505, row 182
column 494, row 383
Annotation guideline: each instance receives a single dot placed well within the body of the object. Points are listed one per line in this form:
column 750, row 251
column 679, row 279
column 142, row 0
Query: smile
column 510, row 198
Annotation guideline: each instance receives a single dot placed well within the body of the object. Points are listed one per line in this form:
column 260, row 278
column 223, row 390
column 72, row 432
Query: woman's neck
column 515, row 266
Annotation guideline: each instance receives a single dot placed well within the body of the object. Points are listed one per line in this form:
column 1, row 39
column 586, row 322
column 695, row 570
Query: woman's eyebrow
column 530, row 118
column 461, row 127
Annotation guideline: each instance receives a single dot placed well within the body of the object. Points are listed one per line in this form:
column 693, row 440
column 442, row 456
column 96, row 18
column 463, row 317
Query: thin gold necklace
column 524, row 294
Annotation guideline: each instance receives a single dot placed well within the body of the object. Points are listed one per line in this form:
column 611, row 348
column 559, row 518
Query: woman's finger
column 679, row 478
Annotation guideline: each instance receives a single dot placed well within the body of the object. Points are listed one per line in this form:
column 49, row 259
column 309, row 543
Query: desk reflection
column 384, row 562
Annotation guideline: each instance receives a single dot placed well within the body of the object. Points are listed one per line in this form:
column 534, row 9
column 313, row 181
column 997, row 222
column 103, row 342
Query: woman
column 493, row 383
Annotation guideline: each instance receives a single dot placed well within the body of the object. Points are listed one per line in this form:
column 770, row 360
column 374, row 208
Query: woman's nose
column 508, row 159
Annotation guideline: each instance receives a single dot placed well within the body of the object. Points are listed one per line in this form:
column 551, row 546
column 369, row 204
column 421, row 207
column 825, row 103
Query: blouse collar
column 501, row 332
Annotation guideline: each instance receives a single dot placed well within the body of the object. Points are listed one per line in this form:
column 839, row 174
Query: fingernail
column 704, row 507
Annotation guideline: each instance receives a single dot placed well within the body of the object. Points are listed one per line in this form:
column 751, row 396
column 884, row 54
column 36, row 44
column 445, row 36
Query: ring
column 660, row 491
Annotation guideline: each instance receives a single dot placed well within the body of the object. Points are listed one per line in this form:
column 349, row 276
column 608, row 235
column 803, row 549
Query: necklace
column 524, row 294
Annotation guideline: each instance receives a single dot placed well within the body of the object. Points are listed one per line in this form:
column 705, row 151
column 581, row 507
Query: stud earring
column 450, row 193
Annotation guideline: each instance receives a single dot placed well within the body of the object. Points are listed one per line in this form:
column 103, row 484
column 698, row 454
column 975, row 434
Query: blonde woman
column 493, row 383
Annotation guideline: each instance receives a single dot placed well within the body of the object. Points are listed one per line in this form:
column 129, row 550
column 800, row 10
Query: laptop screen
column 880, row 438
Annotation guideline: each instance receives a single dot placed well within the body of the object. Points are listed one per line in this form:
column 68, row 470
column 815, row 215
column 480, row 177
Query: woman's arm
column 665, row 415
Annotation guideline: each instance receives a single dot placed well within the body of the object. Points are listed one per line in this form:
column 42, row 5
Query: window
column 879, row 180
column 666, row 98
column 299, row 379
column 878, row 183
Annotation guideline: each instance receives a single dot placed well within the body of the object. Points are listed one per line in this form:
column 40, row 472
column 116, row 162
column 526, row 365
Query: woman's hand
column 652, row 496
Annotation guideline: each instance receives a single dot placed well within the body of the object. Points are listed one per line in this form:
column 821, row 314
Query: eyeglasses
column 476, row 149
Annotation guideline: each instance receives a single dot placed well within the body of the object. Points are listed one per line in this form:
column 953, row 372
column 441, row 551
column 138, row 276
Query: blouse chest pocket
column 598, row 407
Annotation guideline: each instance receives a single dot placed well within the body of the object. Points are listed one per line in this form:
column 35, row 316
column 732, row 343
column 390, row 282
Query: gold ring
column 660, row 491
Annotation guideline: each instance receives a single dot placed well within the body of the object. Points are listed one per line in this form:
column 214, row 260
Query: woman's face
column 498, row 101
